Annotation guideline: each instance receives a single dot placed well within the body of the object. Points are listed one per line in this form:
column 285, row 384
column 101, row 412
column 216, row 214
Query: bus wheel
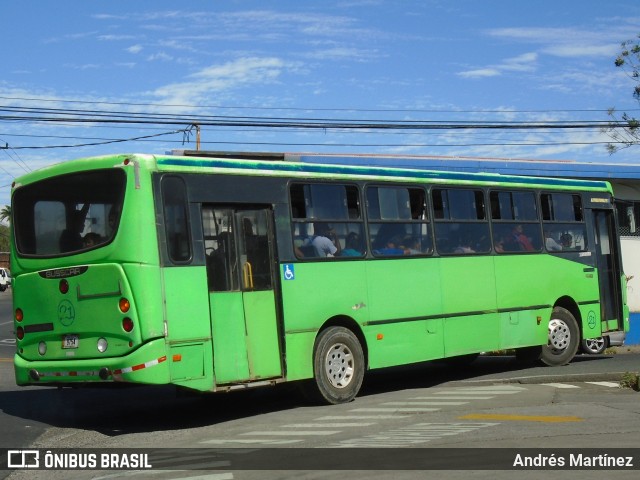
column 564, row 338
column 338, row 365
column 528, row 355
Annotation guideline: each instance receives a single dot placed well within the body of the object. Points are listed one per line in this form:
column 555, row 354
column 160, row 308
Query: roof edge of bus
column 81, row 163
column 283, row 162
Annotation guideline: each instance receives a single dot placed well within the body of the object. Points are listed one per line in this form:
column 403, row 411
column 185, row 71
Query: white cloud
column 161, row 56
column 480, row 73
column 521, row 63
column 218, row 78
column 565, row 42
column 134, row 49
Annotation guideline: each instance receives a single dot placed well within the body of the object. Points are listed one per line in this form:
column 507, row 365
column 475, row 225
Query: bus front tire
column 338, row 366
column 564, row 338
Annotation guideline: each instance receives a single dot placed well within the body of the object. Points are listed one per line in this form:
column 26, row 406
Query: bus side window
column 176, row 220
column 324, row 216
column 563, row 221
column 461, row 225
column 516, row 227
column 219, row 241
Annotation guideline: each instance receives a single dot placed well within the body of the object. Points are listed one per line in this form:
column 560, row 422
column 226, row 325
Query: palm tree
column 5, row 213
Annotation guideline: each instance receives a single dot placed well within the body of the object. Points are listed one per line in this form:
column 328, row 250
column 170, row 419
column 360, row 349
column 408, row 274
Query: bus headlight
column 102, row 345
column 42, row 348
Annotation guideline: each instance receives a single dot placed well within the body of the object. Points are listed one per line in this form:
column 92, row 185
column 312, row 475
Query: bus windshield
column 69, row 213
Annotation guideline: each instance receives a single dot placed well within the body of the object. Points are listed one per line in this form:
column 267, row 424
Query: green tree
column 4, row 238
column 5, row 214
column 625, row 130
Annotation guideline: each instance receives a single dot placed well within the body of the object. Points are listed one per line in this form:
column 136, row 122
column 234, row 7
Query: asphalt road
column 494, row 402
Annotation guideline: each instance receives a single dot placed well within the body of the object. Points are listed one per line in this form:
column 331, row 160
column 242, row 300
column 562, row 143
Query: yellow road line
column 6, row 360
column 520, row 418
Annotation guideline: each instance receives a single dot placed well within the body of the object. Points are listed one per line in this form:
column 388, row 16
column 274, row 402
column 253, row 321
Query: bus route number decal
column 66, row 313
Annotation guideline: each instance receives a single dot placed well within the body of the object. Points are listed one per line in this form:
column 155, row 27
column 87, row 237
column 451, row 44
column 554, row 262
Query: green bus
column 226, row 271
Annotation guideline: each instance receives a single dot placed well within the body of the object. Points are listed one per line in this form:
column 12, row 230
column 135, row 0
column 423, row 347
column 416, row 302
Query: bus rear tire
column 338, row 365
column 564, row 338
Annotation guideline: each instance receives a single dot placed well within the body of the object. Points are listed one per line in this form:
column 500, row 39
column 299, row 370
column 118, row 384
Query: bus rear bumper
column 146, row 365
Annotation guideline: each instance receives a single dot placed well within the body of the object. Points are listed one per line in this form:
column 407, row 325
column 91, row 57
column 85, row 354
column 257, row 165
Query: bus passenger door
column 609, row 271
column 240, row 259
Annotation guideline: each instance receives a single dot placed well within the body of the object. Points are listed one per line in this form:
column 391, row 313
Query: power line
column 304, row 109
column 105, row 142
column 145, row 120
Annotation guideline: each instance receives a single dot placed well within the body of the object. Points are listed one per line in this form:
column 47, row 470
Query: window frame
column 301, row 226
column 400, row 251
column 440, row 222
column 530, row 227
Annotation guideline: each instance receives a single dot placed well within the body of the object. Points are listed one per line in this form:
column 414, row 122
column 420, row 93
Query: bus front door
column 609, row 271
column 240, row 260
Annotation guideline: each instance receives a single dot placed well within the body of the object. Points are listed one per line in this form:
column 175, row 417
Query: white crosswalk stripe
column 412, row 435
column 560, row 385
column 606, row 384
column 361, row 417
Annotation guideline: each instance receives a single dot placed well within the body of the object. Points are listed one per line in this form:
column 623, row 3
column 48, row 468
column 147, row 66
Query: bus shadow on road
column 119, row 411
column 496, row 368
column 114, row 411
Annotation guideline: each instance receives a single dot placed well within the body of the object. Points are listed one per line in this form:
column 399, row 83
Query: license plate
column 70, row 341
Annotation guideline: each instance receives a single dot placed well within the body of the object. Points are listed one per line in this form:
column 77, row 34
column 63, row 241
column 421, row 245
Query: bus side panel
column 528, row 287
column 146, row 288
column 404, row 303
column 188, row 324
column 312, row 294
column 469, row 304
column 230, row 352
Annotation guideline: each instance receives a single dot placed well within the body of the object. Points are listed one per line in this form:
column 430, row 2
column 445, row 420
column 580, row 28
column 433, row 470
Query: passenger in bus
column 352, row 246
column 90, row 239
column 325, row 239
column 71, row 238
column 464, row 247
column 566, row 239
column 393, row 247
column 550, row 242
column 521, row 239
column 412, row 246
column 112, row 219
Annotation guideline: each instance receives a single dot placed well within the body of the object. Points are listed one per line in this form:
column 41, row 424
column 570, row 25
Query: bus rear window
column 69, row 213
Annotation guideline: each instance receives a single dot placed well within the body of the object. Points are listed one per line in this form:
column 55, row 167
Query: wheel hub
column 559, row 335
column 338, row 365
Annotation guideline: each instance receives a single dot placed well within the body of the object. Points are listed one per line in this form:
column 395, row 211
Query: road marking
column 6, row 360
column 560, row 385
column 423, row 404
column 299, row 433
column 521, row 418
column 328, row 425
column 476, row 392
column 261, row 441
column 390, row 410
column 362, row 417
column 452, row 397
column 412, row 435
column 213, row 476
column 605, row 384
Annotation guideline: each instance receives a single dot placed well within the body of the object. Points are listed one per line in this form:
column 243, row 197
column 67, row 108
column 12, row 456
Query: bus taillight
column 20, row 333
column 124, row 305
column 64, row 286
column 19, row 315
column 127, row 324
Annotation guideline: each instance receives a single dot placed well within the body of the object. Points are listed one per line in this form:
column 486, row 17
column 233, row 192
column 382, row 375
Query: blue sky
column 427, row 60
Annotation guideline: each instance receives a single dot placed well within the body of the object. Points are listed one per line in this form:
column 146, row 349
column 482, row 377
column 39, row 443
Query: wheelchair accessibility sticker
column 289, row 273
